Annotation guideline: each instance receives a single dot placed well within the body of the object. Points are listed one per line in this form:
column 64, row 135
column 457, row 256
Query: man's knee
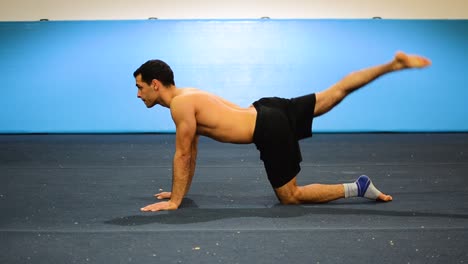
column 290, row 201
column 289, row 196
column 328, row 99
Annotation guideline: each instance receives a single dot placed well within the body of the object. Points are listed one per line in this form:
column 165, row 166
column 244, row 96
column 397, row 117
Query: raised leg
column 291, row 193
column 330, row 97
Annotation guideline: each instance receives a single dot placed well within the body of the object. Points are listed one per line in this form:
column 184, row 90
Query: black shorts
column 280, row 124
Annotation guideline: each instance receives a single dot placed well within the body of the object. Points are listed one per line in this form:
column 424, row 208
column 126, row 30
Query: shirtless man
column 274, row 124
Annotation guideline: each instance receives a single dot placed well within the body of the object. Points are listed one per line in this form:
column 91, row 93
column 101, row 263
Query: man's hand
column 163, row 195
column 161, row 206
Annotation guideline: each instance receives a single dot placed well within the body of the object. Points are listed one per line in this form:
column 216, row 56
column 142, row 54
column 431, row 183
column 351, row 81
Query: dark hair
column 155, row 69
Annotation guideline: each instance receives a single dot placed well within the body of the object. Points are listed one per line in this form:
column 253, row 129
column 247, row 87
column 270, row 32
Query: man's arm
column 193, row 161
column 182, row 164
column 183, row 114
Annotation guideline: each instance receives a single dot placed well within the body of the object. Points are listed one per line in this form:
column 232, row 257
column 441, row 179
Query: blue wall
column 77, row 76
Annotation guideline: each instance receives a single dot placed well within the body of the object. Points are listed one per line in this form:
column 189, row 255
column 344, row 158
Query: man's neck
column 167, row 94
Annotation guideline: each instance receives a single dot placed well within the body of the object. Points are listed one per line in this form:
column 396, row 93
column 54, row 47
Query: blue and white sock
column 362, row 187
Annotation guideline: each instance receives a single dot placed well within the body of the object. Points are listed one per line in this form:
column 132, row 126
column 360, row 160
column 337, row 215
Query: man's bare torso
column 220, row 119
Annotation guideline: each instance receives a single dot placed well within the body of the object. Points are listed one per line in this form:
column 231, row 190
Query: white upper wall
column 32, row 10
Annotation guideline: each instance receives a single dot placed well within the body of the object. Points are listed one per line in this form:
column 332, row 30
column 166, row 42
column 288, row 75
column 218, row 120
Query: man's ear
column 155, row 84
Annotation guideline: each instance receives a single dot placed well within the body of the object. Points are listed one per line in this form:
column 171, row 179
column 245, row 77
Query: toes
column 385, row 198
column 417, row 62
column 425, row 62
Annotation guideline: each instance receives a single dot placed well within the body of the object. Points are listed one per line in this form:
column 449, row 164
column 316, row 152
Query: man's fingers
column 159, row 206
column 149, row 208
column 163, row 195
column 145, row 209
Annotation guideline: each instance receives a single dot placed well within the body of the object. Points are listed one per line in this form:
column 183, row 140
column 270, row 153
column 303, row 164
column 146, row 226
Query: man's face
column 146, row 92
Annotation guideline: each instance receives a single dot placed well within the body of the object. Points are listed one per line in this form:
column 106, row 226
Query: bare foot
column 384, row 198
column 366, row 189
column 403, row 61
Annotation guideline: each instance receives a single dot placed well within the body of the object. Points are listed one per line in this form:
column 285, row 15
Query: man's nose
column 138, row 94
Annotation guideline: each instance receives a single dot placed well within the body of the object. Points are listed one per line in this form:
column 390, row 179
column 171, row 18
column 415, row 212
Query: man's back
column 216, row 117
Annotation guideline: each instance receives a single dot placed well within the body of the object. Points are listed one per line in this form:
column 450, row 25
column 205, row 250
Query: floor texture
column 76, row 199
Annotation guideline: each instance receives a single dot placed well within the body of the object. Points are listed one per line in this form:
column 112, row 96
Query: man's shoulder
column 189, row 100
column 191, row 96
column 181, row 102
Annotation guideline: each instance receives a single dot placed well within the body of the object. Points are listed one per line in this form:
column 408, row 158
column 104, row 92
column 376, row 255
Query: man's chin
column 149, row 105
